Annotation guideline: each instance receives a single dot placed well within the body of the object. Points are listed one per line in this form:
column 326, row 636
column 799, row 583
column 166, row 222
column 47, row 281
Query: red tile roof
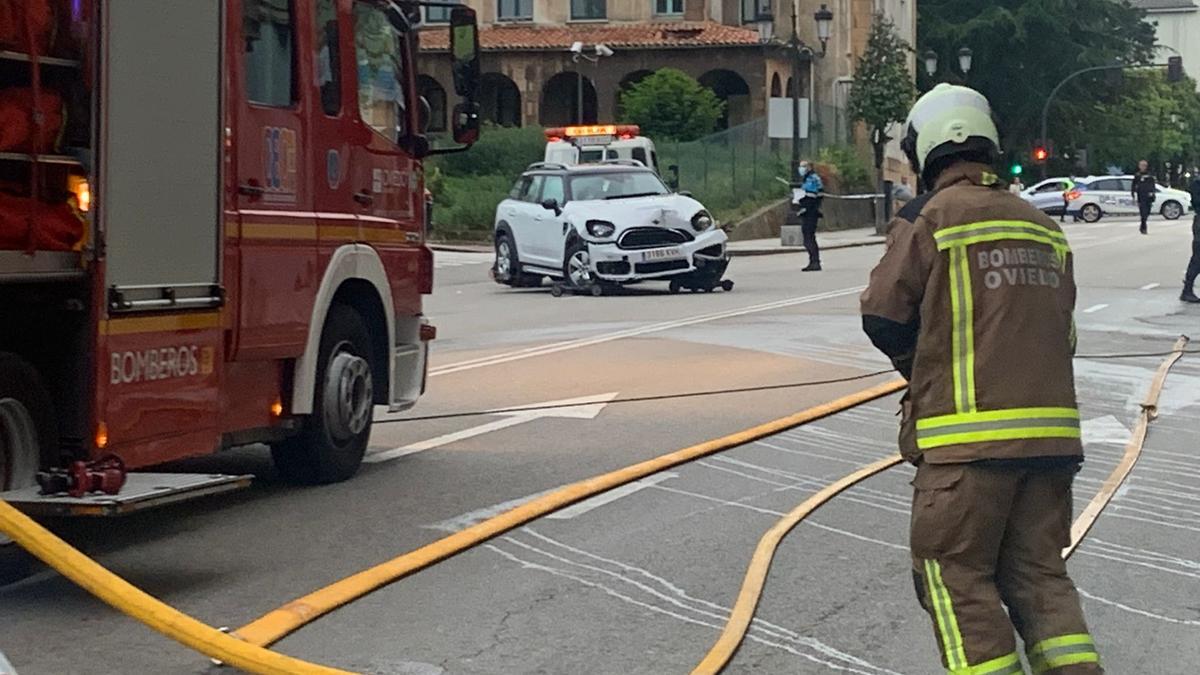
column 528, row 37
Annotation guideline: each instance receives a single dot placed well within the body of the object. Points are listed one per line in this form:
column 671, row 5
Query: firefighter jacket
column 973, row 302
column 1144, row 187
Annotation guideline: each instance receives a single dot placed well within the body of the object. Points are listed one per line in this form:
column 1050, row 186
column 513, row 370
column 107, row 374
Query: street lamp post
column 602, row 50
column 799, row 54
column 965, row 60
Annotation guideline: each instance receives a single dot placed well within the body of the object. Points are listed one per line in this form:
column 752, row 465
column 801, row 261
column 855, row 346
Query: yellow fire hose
column 734, row 632
column 131, row 600
column 277, row 624
column 246, row 649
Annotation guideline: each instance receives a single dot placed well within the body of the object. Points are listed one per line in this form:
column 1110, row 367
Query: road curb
column 453, row 248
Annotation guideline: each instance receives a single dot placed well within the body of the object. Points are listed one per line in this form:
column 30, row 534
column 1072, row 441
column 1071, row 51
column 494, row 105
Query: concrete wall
column 840, row 214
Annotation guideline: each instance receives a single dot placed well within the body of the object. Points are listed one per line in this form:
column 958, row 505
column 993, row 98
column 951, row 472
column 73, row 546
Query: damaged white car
column 589, row 227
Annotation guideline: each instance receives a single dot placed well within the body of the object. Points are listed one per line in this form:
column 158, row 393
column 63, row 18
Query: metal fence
column 737, row 170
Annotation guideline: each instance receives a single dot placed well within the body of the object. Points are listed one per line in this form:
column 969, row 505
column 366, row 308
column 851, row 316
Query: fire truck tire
column 28, row 435
column 332, row 441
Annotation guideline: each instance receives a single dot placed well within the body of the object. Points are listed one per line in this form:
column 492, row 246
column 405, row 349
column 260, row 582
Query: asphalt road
column 640, row 581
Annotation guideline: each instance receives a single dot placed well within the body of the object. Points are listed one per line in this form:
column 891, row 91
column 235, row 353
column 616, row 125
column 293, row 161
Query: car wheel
column 674, row 286
column 506, row 266
column 1090, row 213
column 1172, row 210
column 333, row 439
column 577, row 265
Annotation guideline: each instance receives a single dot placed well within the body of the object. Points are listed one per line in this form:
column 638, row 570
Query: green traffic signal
column 1017, row 169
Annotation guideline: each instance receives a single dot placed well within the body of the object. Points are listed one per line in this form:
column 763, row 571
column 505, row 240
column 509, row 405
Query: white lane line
column 610, row 496
column 477, row 516
column 542, row 350
column 1095, row 308
column 1149, row 287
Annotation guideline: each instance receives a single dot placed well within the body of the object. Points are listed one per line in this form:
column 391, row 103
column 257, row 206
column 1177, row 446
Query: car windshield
column 616, row 185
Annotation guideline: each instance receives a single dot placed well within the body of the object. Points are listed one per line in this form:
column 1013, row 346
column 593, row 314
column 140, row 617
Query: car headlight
column 601, row 229
column 702, row 221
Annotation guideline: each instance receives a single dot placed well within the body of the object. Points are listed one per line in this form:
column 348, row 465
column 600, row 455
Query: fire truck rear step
column 141, row 491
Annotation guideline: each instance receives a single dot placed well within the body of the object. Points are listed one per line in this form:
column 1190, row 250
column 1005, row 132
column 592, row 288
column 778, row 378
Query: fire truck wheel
column 333, row 439
column 27, row 431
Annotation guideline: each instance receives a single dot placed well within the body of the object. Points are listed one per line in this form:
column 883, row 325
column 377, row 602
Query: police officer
column 1145, row 190
column 1068, row 188
column 1193, row 268
column 973, row 303
column 809, row 208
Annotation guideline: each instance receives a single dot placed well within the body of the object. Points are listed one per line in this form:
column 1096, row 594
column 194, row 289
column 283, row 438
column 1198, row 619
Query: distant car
column 1047, row 195
column 612, row 222
column 1099, row 196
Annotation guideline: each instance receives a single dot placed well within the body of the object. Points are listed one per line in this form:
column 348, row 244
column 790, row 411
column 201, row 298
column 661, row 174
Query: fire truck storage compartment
column 45, row 226
column 160, row 148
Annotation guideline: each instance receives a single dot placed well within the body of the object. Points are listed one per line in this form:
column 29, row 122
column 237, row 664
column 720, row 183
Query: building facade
column 531, row 77
column 1177, row 27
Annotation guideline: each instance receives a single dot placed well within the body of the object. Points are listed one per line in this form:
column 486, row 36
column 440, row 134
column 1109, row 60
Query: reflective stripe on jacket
column 973, row 300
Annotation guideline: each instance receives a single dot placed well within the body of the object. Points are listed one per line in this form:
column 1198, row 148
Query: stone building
column 532, row 78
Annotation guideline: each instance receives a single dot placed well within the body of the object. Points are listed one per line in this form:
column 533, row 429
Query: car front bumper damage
column 612, row 263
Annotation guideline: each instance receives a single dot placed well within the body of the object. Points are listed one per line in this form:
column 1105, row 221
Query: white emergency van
column 598, row 143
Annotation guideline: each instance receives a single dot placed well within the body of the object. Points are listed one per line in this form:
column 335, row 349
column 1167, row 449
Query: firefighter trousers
column 984, row 538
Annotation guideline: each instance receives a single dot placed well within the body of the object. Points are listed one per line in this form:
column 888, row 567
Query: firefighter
column 809, row 206
column 1145, row 191
column 973, row 303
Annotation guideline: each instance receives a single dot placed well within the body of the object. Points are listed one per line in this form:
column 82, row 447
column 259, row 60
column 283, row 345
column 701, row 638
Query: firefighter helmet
column 947, row 121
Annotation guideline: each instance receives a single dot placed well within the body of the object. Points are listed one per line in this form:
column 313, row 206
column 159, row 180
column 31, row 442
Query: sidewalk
column 860, row 236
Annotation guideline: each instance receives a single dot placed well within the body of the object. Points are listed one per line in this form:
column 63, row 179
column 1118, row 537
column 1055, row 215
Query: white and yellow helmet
column 948, row 120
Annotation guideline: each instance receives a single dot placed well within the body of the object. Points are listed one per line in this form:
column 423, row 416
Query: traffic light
column 1175, row 69
column 1040, row 153
column 1017, row 169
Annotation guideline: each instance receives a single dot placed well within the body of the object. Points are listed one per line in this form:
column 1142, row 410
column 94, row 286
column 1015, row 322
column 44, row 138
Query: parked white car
column 1099, row 196
column 609, row 223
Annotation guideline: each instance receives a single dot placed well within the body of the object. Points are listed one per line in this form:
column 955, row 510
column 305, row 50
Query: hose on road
column 136, row 603
column 272, row 627
column 742, row 614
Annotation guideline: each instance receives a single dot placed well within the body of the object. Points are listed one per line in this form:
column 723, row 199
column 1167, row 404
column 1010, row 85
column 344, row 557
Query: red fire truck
column 212, row 234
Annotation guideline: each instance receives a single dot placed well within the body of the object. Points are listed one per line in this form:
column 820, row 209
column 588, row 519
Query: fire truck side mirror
column 466, row 123
column 464, row 46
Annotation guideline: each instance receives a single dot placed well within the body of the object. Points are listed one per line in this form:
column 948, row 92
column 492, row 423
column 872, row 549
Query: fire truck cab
column 212, row 234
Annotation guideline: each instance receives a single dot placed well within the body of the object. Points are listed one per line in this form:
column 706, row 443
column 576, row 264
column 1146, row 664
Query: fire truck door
column 278, row 278
column 385, row 181
column 335, row 128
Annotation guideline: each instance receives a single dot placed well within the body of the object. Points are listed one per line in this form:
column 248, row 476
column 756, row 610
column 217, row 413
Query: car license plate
column 662, row 254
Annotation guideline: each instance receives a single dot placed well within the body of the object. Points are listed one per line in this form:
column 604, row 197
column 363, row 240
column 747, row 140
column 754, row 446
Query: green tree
column 883, row 88
column 1152, row 119
column 1023, row 48
column 670, row 105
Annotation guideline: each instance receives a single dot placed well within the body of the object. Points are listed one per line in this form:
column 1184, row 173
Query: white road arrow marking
column 582, row 408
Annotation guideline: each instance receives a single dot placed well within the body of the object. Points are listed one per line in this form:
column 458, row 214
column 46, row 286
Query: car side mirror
column 464, row 48
column 552, row 205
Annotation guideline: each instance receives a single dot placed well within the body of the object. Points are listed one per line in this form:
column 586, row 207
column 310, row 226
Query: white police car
column 609, row 223
column 1099, row 196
